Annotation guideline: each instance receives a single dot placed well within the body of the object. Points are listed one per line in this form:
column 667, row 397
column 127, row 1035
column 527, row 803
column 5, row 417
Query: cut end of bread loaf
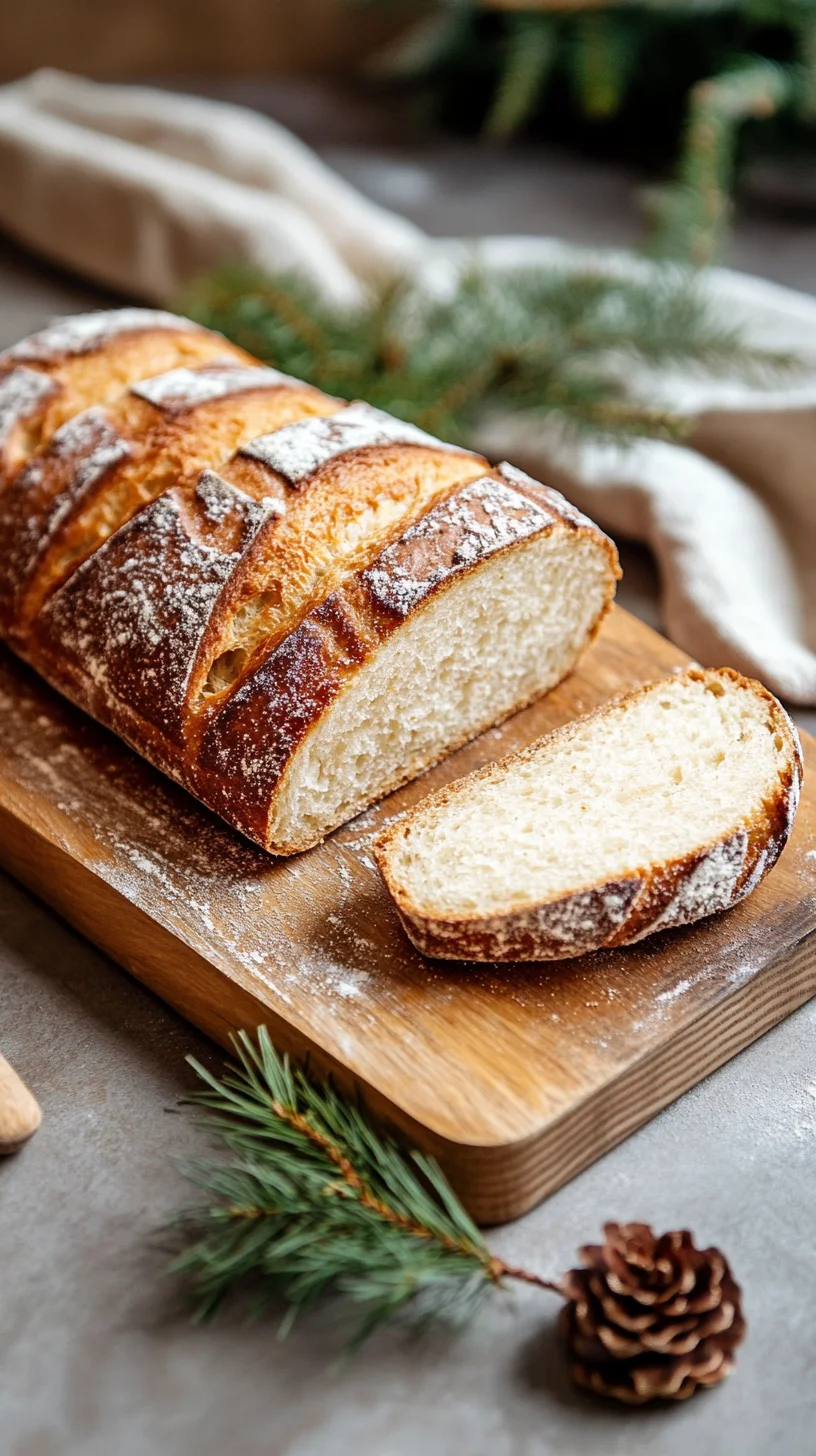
column 495, row 639
column 663, row 807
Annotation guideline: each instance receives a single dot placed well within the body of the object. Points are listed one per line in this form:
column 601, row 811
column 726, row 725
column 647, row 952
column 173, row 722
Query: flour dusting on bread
column 481, row 518
column 297, row 451
column 82, row 332
column 22, row 392
column 183, row 389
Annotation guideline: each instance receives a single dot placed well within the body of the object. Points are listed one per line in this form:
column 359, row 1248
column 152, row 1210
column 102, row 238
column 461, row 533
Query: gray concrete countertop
column 95, row 1357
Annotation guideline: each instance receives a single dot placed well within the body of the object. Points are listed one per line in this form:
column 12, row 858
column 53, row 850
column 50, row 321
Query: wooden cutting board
column 514, row 1077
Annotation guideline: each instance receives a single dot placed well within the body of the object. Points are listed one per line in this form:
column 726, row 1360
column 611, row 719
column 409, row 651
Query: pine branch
column 426, row 45
column 805, row 81
column 313, row 1202
column 545, row 341
column 691, row 215
column 605, row 53
column 530, row 49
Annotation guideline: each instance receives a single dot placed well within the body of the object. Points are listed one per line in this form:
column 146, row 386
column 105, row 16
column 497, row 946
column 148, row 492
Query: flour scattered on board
column 731, row 967
column 678, row 990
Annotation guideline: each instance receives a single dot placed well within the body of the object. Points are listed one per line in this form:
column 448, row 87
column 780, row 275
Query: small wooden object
column 514, row 1077
column 20, row 1114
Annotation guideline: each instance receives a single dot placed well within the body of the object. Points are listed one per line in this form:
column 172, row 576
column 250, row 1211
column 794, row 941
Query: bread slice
column 664, row 806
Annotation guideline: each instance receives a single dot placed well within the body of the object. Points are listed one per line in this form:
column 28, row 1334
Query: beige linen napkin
column 143, row 190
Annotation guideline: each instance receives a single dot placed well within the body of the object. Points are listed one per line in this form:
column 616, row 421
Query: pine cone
column 650, row 1317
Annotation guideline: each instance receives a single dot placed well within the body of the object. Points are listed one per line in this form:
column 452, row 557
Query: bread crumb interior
column 671, row 771
column 498, row 637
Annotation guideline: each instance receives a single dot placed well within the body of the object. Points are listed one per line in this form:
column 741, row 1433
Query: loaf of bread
column 665, row 806
column 290, row 604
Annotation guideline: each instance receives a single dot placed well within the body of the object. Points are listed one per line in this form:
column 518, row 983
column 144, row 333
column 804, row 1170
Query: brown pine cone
column 650, row 1317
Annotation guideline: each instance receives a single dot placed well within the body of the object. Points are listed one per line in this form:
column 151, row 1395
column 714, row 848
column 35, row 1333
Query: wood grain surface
column 514, row 1077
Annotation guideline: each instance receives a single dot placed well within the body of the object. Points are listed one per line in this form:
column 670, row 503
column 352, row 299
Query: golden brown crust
column 90, row 360
column 135, row 617
column 103, row 464
column 25, row 397
column 613, row 913
column 342, row 487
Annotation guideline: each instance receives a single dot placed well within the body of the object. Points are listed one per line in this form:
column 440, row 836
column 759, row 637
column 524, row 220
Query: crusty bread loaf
column 663, row 807
column 288, row 603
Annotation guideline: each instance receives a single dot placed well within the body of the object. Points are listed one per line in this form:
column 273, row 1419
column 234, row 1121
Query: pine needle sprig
column 314, row 1202
column 546, row 341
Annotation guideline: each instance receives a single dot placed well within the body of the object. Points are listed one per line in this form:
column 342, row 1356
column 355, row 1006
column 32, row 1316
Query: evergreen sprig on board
column 313, row 1202
column 546, row 341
